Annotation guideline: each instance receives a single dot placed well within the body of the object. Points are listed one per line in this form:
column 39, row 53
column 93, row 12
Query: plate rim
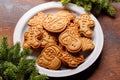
column 52, row 73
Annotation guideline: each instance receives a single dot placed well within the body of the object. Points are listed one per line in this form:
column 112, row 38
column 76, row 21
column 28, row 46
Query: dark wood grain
column 107, row 66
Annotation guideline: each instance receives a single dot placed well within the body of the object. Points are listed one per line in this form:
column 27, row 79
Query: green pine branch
column 94, row 6
column 14, row 64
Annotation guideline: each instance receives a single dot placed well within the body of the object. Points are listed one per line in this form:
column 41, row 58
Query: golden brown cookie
column 85, row 24
column 49, row 57
column 47, row 38
column 59, row 38
column 70, row 38
column 37, row 20
column 71, row 60
column 66, row 14
column 87, row 44
column 53, row 23
column 58, row 22
column 32, row 38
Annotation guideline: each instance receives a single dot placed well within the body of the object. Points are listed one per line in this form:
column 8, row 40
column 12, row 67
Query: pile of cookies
column 62, row 37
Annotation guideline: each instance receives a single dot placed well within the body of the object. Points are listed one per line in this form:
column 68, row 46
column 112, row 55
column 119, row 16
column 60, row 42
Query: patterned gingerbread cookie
column 87, row 44
column 57, row 22
column 49, row 57
column 47, row 38
column 66, row 14
column 71, row 60
column 70, row 39
column 37, row 19
column 32, row 37
column 85, row 24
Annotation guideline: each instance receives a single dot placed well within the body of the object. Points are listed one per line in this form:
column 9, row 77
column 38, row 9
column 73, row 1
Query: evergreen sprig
column 94, row 6
column 14, row 64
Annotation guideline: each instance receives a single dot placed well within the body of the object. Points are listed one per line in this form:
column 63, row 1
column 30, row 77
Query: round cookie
column 53, row 23
column 58, row 22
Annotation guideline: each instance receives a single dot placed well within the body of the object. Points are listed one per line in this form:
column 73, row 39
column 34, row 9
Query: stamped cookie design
column 70, row 59
column 70, row 39
column 37, row 20
column 61, row 37
column 85, row 24
column 32, row 38
column 66, row 14
column 87, row 44
column 57, row 22
column 49, row 57
column 47, row 38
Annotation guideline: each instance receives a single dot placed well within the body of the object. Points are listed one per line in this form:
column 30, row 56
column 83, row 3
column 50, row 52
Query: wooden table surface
column 107, row 66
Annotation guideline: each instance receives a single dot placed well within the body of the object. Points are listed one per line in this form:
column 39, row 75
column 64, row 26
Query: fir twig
column 94, row 6
column 14, row 64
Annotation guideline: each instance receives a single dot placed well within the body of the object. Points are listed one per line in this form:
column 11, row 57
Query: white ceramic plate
column 52, row 7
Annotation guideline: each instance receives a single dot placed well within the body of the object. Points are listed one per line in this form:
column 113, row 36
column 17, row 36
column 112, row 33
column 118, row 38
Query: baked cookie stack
column 62, row 38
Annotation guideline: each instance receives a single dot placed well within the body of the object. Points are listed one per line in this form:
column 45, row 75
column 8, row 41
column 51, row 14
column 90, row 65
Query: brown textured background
column 107, row 66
